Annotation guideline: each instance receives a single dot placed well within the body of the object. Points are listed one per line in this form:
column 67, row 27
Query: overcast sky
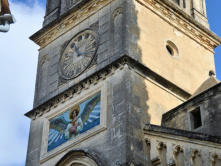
column 18, row 70
column 17, row 73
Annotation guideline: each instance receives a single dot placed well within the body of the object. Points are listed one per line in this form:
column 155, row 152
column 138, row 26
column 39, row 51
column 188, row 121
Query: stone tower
column 107, row 68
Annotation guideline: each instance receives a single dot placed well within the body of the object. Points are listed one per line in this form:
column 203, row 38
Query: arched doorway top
column 79, row 158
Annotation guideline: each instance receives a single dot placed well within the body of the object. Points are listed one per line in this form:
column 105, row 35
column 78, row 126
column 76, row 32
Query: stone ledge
column 100, row 75
column 65, row 20
column 182, row 133
column 190, row 19
column 68, row 20
column 184, row 22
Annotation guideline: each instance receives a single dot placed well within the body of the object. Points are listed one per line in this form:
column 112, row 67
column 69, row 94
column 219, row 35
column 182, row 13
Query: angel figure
column 80, row 118
column 6, row 18
column 75, row 125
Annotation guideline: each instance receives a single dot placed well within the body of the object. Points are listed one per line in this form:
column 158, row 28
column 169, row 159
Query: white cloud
column 17, row 74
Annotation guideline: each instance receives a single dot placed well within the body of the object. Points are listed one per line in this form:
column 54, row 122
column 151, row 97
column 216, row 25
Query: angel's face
column 74, row 114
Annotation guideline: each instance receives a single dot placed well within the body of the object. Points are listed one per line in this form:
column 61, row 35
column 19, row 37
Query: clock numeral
column 65, row 66
column 91, row 45
column 73, row 45
column 86, row 36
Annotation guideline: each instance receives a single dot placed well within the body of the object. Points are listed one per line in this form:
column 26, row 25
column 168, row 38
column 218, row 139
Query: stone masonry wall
column 122, row 141
column 210, row 110
column 108, row 24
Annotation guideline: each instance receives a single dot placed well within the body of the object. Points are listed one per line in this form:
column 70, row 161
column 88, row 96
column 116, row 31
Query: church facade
column 125, row 83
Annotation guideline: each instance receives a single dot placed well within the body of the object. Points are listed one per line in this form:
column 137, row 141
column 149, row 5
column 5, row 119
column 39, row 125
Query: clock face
column 78, row 54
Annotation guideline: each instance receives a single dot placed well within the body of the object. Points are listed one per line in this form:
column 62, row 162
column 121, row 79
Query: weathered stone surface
column 35, row 142
column 101, row 23
column 131, row 28
column 210, row 112
column 193, row 148
column 138, row 76
column 126, row 117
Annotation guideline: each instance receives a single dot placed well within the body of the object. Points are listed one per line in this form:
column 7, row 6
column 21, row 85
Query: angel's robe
column 4, row 7
column 79, row 128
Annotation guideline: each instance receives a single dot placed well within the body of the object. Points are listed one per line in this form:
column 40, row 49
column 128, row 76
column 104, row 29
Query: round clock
column 78, row 54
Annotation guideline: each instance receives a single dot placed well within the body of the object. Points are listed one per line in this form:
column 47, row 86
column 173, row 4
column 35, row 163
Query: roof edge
column 170, row 4
column 182, row 133
column 168, row 114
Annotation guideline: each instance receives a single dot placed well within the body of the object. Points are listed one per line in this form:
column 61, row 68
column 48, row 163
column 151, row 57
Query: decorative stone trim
column 195, row 153
column 162, row 153
column 178, row 156
column 188, row 26
column 50, row 33
column 101, row 75
column 76, row 89
column 214, row 158
column 177, row 150
column 147, row 141
column 161, row 146
column 175, row 133
column 82, row 154
column 194, row 30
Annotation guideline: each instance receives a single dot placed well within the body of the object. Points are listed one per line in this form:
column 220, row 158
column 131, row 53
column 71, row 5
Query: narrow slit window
column 184, row 3
column 196, row 120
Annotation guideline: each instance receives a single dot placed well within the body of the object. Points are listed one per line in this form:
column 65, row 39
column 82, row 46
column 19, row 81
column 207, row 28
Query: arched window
column 78, row 158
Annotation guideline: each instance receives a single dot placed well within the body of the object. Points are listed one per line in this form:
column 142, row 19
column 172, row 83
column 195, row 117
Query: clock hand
column 87, row 53
column 82, row 53
column 77, row 50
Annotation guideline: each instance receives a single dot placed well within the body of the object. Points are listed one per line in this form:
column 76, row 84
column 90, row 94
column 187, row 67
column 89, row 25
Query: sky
column 18, row 67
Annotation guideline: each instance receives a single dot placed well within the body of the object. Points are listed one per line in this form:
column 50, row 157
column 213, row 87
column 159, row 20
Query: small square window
column 195, row 117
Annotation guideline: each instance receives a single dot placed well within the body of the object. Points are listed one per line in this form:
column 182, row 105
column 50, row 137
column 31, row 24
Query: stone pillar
column 162, row 150
column 34, row 144
column 178, row 156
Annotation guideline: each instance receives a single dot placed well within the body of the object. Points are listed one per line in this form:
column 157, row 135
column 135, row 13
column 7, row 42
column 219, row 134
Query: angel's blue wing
column 59, row 124
column 56, row 133
column 89, row 107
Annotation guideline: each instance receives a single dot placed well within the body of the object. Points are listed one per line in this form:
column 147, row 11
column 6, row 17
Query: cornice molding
column 59, row 27
column 101, row 75
column 165, row 9
column 77, row 89
column 172, row 133
column 182, row 21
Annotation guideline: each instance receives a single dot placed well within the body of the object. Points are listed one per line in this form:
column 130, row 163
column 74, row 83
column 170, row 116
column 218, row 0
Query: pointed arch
column 79, row 158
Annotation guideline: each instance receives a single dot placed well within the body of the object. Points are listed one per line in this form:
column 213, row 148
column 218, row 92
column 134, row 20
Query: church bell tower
column 106, row 68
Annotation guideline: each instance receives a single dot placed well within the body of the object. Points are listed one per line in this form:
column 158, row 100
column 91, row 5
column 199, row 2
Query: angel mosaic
column 75, row 121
